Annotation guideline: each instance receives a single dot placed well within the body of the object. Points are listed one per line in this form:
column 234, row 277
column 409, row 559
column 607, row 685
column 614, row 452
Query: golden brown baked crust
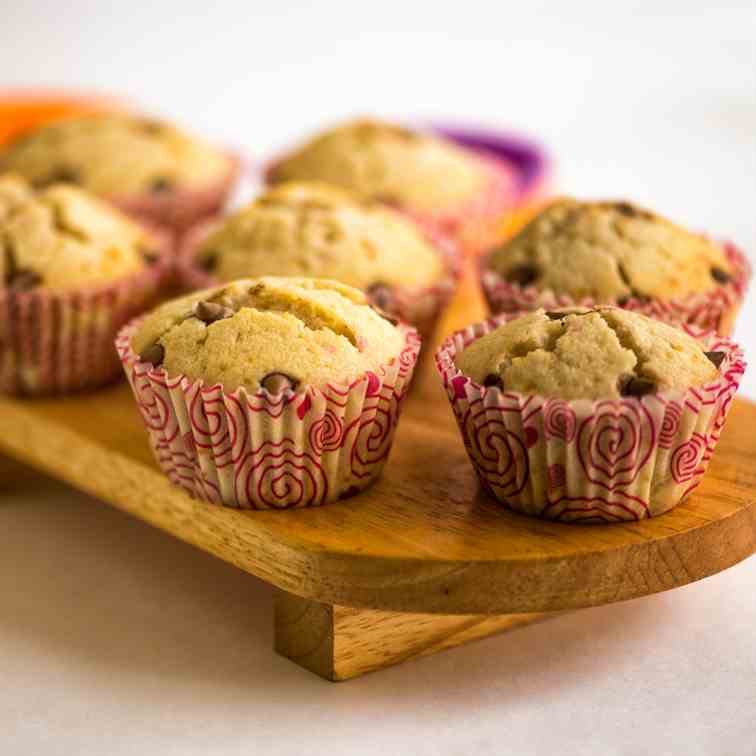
column 389, row 163
column 115, row 154
column 63, row 238
column 316, row 230
column 577, row 353
column 609, row 251
column 270, row 332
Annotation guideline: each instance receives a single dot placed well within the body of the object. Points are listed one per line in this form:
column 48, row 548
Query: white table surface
column 117, row 639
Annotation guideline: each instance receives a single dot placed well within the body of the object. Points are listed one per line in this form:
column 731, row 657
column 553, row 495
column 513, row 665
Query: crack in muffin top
column 577, row 353
column 269, row 332
column 114, row 154
column 63, row 238
column 609, row 251
column 389, row 163
column 313, row 229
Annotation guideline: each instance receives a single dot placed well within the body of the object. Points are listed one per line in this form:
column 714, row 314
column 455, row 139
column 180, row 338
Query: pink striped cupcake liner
column 260, row 451
column 180, row 209
column 589, row 461
column 57, row 342
column 716, row 309
column 421, row 307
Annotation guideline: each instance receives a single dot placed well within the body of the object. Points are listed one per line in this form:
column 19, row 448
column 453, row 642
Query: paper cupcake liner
column 57, row 342
column 715, row 309
column 583, row 460
column 258, row 451
column 421, row 307
column 180, row 209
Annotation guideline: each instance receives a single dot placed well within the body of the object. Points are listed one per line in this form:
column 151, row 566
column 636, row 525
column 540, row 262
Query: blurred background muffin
column 302, row 228
column 73, row 270
column 457, row 191
column 589, row 253
column 146, row 167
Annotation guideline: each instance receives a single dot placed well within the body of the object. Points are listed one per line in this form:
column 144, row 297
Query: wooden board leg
column 339, row 642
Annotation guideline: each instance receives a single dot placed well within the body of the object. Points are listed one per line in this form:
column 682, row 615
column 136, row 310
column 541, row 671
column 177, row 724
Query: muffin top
column 62, row 238
column 14, row 191
column 577, row 353
column 114, row 154
column 274, row 333
column 313, row 229
column 609, row 251
column 389, row 163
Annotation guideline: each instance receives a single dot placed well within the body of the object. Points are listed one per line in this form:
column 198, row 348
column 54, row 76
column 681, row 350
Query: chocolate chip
column 492, row 380
column 17, row 278
column 23, row 280
column 10, row 263
column 208, row 262
column 720, row 276
column 210, row 312
column 380, row 294
column 154, row 354
column 524, row 275
column 149, row 126
column 63, row 174
column 161, row 184
column 275, row 383
column 556, row 315
column 717, row 358
column 150, row 256
column 625, row 208
column 634, row 386
column 634, row 293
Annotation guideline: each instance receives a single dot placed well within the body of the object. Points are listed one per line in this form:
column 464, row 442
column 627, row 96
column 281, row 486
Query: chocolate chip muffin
column 316, row 230
column 62, row 238
column 589, row 414
column 578, row 353
column 269, row 333
column 145, row 166
column 303, row 378
column 73, row 270
column 616, row 253
column 433, row 179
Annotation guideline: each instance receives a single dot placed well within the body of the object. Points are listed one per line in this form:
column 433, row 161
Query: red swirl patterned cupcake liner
column 57, row 342
column 259, row 451
column 589, row 461
column 421, row 307
column 715, row 309
column 180, row 209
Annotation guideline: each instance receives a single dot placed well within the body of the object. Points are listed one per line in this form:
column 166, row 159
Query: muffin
column 588, row 253
column 589, row 415
column 270, row 392
column 454, row 190
column 73, row 270
column 316, row 230
column 147, row 168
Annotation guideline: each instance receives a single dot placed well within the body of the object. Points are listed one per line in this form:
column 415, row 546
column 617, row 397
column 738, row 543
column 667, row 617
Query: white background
column 115, row 639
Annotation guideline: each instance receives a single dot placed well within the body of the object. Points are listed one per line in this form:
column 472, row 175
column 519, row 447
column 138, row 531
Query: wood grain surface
column 341, row 642
column 425, row 538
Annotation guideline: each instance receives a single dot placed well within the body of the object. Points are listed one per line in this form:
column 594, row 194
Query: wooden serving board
column 424, row 560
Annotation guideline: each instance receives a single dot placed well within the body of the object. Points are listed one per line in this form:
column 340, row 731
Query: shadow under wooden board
column 421, row 562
